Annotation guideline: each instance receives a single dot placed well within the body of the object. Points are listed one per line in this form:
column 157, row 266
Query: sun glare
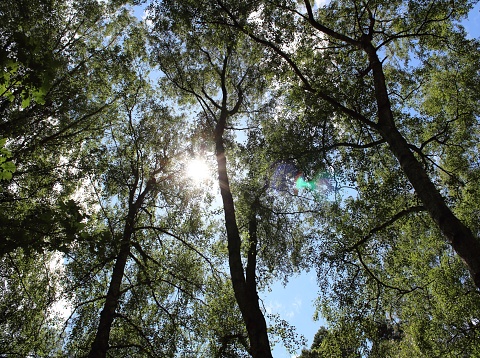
column 198, row 171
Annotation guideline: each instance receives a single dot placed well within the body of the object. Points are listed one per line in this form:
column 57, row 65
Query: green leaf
column 25, row 102
column 39, row 95
column 8, row 166
column 9, row 95
column 4, row 175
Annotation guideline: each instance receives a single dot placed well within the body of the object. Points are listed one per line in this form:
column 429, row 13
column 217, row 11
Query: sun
column 198, row 170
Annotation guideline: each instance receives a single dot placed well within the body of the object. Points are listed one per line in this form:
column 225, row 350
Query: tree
column 141, row 270
column 221, row 83
column 58, row 76
column 54, row 84
column 364, row 39
column 327, row 343
column 378, row 246
column 221, row 99
column 351, row 80
column 345, row 340
column 28, row 319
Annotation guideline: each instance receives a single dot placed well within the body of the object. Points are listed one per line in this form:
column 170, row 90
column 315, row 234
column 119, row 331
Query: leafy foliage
column 6, row 165
column 382, row 96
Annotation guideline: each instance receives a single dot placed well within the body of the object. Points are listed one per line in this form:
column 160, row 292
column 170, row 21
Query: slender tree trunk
column 258, row 333
column 245, row 290
column 100, row 343
column 465, row 244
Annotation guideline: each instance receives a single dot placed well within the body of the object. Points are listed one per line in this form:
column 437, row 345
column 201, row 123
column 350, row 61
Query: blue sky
column 472, row 25
column 296, row 304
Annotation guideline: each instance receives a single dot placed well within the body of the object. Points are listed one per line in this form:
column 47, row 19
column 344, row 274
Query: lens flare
column 198, row 170
column 287, row 177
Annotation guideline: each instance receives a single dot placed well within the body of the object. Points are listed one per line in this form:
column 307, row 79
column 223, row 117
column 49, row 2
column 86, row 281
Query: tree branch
column 380, row 282
column 396, row 217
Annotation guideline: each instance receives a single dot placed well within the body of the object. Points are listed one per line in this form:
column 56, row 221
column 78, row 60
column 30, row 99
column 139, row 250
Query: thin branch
column 241, row 129
column 380, row 282
column 307, row 86
column 393, row 219
column 149, row 281
column 130, row 345
column 139, row 330
column 165, row 231
column 80, row 305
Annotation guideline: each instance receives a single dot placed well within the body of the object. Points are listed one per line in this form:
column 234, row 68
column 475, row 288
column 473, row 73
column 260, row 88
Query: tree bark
column 259, row 331
column 245, row 290
column 100, row 343
column 465, row 244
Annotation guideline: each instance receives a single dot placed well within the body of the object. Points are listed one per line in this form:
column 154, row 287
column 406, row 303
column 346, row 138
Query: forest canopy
column 164, row 162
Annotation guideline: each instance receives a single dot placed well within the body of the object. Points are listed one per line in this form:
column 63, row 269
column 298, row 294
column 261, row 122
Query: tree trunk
column 259, row 330
column 245, row 290
column 458, row 235
column 100, row 343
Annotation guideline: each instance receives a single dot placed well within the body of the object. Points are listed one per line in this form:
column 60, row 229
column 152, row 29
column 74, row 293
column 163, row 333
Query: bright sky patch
column 198, row 171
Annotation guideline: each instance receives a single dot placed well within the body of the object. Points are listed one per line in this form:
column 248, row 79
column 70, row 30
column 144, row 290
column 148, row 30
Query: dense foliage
column 341, row 138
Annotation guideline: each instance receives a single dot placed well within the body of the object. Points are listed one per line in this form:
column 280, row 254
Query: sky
column 296, row 301
column 472, row 24
column 296, row 304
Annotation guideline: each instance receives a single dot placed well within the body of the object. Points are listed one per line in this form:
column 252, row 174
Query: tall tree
column 145, row 261
column 221, row 83
column 58, row 75
column 364, row 37
column 392, row 263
